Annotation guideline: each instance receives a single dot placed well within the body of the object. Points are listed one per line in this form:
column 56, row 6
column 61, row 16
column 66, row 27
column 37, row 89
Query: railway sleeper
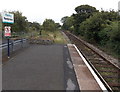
column 99, row 63
column 113, row 71
column 109, row 74
column 99, row 59
column 115, row 84
column 104, row 66
column 106, row 76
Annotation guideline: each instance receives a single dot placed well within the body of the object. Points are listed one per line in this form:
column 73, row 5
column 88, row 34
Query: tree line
column 22, row 25
column 98, row 27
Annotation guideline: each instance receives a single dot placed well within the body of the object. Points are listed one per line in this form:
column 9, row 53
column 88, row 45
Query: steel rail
column 104, row 81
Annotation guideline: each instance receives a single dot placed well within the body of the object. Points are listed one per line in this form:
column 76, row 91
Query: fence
column 14, row 46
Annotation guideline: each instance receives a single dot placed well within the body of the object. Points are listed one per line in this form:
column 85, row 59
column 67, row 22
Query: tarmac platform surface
column 40, row 67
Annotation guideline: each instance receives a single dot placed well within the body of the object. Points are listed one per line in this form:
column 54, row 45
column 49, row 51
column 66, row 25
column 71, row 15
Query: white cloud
column 38, row 10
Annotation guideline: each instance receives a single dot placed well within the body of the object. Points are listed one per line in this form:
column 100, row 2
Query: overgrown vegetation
column 56, row 36
column 98, row 27
column 50, row 30
column 22, row 27
column 50, row 25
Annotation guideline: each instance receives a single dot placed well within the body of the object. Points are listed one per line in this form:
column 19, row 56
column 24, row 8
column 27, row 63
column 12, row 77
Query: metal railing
column 14, row 46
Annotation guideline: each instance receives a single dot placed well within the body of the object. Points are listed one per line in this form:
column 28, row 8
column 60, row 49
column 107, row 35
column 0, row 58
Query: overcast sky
column 39, row 10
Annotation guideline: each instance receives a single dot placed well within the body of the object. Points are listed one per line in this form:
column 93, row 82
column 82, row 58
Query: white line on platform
column 91, row 70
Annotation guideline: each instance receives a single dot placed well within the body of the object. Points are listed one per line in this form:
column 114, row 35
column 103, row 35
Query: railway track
column 107, row 72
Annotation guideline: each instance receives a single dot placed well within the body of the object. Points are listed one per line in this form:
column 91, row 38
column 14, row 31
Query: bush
column 101, row 30
column 91, row 27
column 115, row 38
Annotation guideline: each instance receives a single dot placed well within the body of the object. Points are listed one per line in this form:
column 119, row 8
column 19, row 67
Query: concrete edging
column 92, row 71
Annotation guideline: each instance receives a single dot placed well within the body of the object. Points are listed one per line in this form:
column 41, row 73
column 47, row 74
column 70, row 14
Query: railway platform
column 86, row 77
column 40, row 67
column 50, row 67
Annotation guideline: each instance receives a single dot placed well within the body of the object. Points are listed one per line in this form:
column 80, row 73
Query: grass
column 25, row 35
column 105, row 49
column 110, row 52
column 56, row 36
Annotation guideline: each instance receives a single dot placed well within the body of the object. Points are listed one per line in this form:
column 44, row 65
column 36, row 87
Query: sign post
column 7, row 34
column 7, row 18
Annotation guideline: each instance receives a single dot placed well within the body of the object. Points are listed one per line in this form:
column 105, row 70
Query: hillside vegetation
column 100, row 28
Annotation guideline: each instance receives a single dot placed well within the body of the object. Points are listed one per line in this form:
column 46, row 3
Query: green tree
column 82, row 13
column 49, row 25
column 20, row 22
column 58, row 26
column 91, row 27
column 35, row 25
column 67, row 23
column 86, row 9
column 114, row 37
column 63, row 20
